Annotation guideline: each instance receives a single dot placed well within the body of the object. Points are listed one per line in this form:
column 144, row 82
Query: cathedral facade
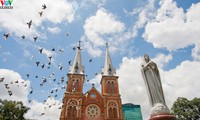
column 92, row 105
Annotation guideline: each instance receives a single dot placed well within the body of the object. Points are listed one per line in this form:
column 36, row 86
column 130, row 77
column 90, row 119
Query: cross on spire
column 106, row 45
column 93, row 84
column 77, row 67
column 79, row 45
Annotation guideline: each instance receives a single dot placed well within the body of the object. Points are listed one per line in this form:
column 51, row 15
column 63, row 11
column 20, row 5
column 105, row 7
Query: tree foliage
column 185, row 109
column 12, row 110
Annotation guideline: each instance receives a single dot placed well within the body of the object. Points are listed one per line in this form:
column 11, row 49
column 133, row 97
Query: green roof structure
column 131, row 111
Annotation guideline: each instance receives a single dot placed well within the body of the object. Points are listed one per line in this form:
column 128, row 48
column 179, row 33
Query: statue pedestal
column 163, row 117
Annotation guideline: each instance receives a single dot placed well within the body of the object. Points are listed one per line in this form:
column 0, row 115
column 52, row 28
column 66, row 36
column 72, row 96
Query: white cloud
column 90, row 3
column 172, row 28
column 177, row 82
column 101, row 28
column 144, row 15
column 94, row 51
column 19, row 89
column 196, row 52
column 133, row 12
column 54, row 30
column 59, row 10
column 161, row 60
column 15, row 20
column 130, row 77
column 26, row 53
column 181, row 82
column 50, row 113
column 103, row 23
column 20, row 93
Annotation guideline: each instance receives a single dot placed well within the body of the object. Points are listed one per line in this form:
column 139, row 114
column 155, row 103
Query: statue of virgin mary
column 153, row 84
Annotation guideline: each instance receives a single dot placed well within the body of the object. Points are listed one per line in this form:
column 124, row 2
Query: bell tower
column 110, row 90
column 71, row 109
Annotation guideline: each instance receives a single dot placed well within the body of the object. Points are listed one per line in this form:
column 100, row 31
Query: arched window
column 69, row 111
column 76, row 85
column 113, row 87
column 108, row 87
column 110, row 113
column 72, row 85
column 114, row 112
column 74, row 111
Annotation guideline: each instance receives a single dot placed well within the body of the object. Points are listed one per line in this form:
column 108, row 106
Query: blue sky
column 167, row 30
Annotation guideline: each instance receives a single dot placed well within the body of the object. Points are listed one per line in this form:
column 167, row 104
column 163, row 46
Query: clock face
column 92, row 95
column 92, row 112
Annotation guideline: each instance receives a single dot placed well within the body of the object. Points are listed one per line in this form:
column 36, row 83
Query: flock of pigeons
column 51, row 77
column 21, row 83
column 6, row 35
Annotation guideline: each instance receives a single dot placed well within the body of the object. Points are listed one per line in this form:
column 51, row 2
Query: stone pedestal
column 163, row 117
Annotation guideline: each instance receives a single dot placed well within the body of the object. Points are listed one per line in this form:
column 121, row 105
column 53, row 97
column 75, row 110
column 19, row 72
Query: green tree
column 12, row 110
column 185, row 109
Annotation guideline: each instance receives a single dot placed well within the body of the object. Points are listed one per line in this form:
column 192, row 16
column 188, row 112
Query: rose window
column 92, row 112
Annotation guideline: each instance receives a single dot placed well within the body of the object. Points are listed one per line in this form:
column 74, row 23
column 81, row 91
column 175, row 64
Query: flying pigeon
column 50, row 57
column 1, row 79
column 42, row 114
column 61, row 50
column 40, row 50
column 23, row 37
column 67, row 34
column 53, row 49
column 69, row 62
column 6, row 85
column 29, row 101
column 29, row 24
column 6, row 35
column 31, row 91
column 51, row 91
column 37, row 63
column 35, row 38
column 56, row 90
column 44, row 6
column 43, row 66
column 27, row 75
column 74, row 48
column 40, row 13
column 10, row 93
column 44, row 80
column 61, row 68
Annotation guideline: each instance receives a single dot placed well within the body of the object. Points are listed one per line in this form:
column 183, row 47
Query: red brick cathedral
column 92, row 105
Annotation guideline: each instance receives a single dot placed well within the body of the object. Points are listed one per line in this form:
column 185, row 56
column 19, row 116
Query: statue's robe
column 152, row 80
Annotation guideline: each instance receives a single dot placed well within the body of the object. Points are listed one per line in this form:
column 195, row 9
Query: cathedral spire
column 77, row 67
column 108, row 69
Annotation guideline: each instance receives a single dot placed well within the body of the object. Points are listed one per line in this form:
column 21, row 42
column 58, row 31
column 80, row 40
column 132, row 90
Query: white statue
column 153, row 84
